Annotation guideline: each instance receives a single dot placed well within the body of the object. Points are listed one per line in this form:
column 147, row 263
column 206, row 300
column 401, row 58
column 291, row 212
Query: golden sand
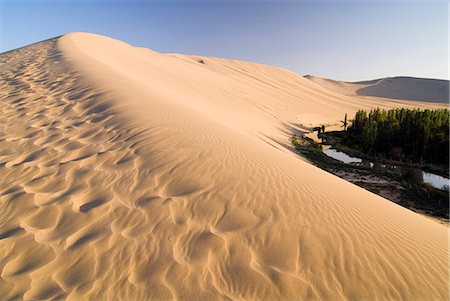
column 127, row 174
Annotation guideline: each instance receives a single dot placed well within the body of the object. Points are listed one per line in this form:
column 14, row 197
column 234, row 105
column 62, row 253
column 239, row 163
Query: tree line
column 402, row 134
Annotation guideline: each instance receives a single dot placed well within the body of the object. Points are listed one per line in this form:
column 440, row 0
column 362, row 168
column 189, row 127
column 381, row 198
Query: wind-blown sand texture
column 127, row 174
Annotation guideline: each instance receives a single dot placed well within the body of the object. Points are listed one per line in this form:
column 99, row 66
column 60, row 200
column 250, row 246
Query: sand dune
column 127, row 174
column 401, row 87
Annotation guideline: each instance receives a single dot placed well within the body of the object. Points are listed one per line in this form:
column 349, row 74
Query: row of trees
column 417, row 135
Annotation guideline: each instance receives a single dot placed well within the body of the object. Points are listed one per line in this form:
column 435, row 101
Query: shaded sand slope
column 424, row 89
column 128, row 174
column 401, row 87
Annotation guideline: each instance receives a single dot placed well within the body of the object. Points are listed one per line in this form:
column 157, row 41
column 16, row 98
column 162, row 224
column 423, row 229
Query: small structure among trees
column 345, row 122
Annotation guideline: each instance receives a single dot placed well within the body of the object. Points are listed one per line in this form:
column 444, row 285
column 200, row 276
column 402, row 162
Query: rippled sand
column 126, row 174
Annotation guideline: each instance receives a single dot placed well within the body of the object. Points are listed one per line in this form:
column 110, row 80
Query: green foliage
column 413, row 134
column 305, row 143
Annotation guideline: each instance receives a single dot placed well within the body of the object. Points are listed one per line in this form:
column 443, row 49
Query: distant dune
column 126, row 174
column 406, row 88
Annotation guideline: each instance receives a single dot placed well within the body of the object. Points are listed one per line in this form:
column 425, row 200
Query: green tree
column 420, row 135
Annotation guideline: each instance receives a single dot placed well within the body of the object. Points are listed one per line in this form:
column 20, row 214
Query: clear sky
column 345, row 40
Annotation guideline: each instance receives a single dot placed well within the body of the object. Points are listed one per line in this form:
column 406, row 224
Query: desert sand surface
column 400, row 87
column 126, row 174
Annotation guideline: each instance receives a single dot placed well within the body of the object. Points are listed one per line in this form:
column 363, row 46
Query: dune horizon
column 129, row 174
column 397, row 87
column 313, row 77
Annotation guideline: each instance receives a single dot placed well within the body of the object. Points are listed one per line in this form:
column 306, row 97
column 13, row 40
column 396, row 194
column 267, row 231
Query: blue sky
column 345, row 40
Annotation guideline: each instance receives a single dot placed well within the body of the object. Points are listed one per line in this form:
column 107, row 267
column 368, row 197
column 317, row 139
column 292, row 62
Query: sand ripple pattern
column 95, row 205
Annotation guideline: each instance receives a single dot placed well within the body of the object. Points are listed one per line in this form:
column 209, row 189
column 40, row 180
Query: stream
column 434, row 180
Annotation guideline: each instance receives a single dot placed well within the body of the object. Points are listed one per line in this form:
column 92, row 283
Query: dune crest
column 400, row 87
column 130, row 174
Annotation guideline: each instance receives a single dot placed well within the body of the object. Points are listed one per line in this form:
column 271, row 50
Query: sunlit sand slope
column 126, row 174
